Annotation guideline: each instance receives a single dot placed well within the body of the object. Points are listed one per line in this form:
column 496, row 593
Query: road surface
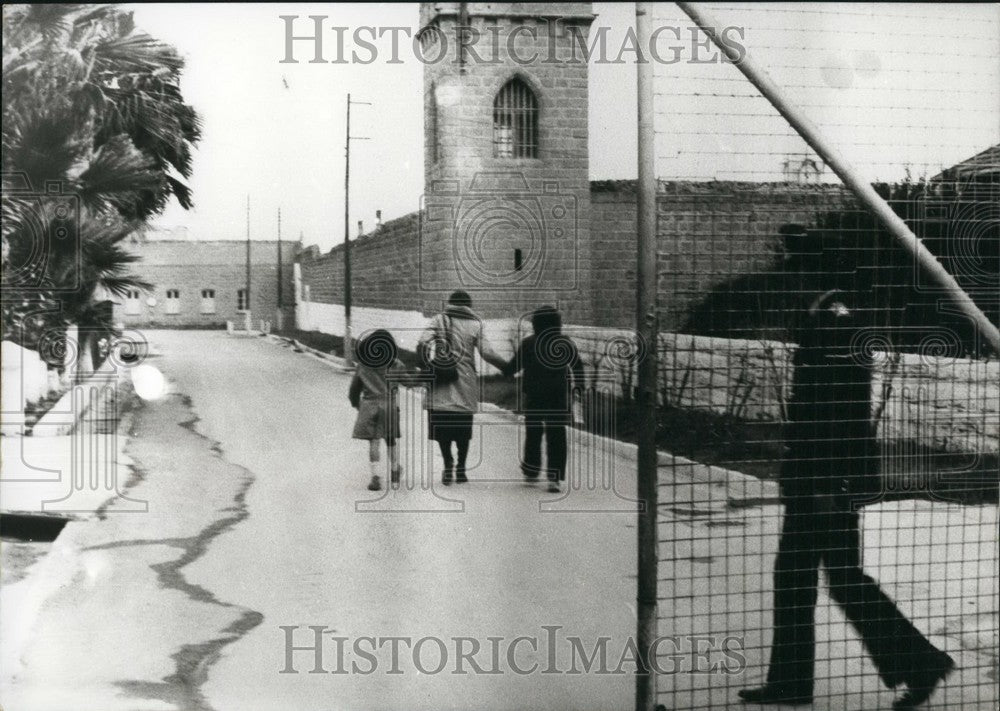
column 254, row 488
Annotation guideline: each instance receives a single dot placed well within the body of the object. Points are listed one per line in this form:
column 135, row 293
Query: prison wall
column 706, row 233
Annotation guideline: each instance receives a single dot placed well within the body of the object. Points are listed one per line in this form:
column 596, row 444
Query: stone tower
column 507, row 192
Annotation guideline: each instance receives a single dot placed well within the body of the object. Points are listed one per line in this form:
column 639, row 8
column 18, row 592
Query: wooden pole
column 279, row 317
column 646, row 329
column 348, row 350
column 247, row 304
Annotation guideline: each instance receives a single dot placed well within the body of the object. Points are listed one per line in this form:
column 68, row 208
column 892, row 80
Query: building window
column 242, row 303
column 515, row 121
column 173, row 303
column 208, row 301
column 133, row 305
column 306, row 294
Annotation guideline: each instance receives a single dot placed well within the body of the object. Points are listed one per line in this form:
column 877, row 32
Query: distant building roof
column 980, row 167
column 159, row 233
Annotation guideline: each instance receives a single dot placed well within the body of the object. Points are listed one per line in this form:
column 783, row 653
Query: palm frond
column 180, row 191
column 43, row 146
column 136, row 53
column 93, row 106
column 121, row 285
column 52, row 21
column 116, row 176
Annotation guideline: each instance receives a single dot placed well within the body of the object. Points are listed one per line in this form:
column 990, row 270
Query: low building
column 203, row 283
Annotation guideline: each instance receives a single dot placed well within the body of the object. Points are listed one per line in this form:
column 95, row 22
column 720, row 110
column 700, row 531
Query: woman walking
column 448, row 346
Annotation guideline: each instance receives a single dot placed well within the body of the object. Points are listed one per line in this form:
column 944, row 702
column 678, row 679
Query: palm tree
column 96, row 139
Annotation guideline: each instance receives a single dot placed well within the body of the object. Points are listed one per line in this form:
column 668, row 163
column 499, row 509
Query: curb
column 66, row 414
column 53, row 571
column 123, row 430
column 333, row 360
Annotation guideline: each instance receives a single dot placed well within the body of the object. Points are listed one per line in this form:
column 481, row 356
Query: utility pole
column 246, row 304
column 348, row 345
column 280, row 318
column 646, row 331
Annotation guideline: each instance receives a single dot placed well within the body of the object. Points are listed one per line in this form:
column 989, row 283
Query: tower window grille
column 515, row 121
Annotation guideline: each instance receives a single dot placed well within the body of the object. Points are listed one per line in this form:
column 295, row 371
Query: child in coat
column 375, row 399
column 552, row 371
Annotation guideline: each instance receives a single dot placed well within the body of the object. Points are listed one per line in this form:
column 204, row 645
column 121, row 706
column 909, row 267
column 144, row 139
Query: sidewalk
column 938, row 561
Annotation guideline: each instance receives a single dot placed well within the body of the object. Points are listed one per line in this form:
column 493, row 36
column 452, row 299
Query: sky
column 894, row 87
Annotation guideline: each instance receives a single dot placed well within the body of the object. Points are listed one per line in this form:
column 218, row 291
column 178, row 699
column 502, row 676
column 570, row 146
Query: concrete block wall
column 707, row 233
column 947, row 404
column 385, row 269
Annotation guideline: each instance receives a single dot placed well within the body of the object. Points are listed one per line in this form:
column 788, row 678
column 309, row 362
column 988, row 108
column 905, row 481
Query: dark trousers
column 553, row 428
column 815, row 530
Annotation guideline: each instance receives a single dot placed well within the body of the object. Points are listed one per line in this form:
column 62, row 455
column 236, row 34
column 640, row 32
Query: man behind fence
column 830, row 464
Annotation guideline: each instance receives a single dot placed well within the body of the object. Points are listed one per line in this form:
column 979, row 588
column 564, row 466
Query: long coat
column 466, row 334
column 831, row 449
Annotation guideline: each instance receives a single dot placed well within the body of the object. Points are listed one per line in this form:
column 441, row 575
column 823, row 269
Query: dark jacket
column 551, row 365
column 829, row 437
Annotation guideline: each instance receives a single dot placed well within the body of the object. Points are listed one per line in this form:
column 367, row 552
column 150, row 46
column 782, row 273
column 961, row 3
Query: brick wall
column 707, row 233
column 385, row 269
column 481, row 208
column 950, row 404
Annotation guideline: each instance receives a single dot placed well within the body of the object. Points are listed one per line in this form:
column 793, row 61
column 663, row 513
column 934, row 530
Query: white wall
column 405, row 326
column 25, row 379
column 949, row 404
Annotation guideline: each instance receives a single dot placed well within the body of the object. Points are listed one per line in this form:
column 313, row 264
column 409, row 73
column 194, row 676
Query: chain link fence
column 828, row 522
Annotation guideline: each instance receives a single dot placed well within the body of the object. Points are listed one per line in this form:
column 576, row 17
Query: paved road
column 254, row 487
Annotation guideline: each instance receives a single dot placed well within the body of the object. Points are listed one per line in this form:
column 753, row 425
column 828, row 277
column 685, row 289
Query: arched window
column 432, row 123
column 515, row 121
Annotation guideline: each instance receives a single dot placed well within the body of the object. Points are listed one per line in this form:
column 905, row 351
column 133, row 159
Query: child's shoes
column 395, row 474
column 375, row 484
